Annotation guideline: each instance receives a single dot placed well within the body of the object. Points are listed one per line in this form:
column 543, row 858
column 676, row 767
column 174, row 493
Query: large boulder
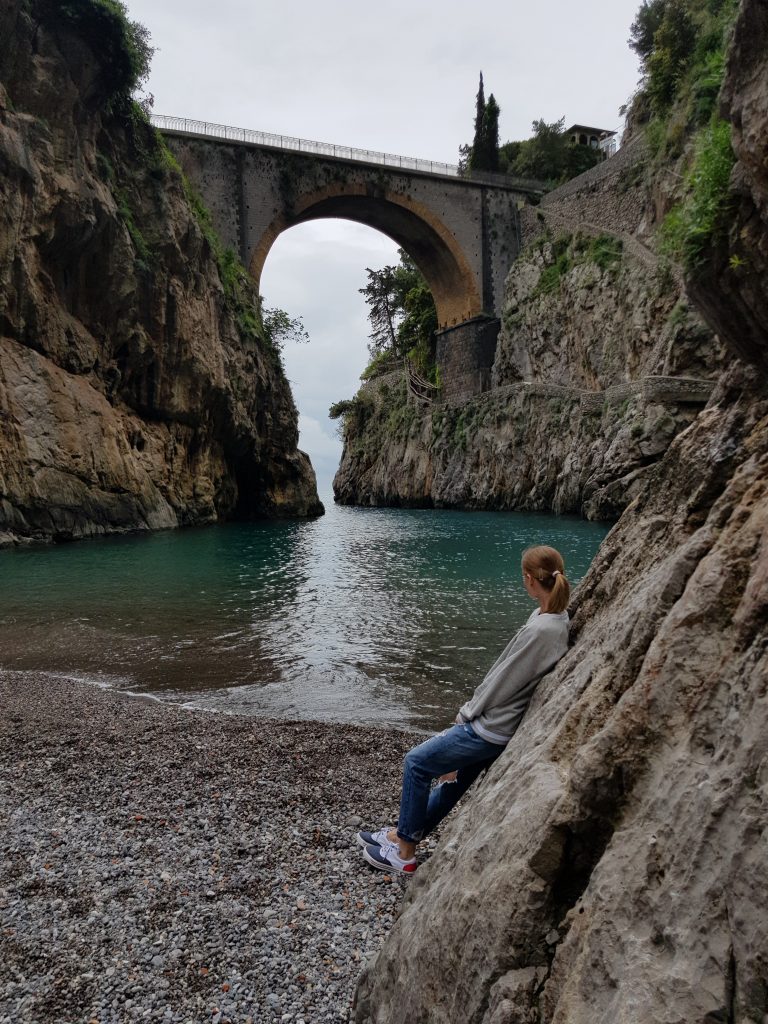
column 612, row 866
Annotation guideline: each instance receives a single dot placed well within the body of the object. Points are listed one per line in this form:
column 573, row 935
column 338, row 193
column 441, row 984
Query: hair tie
column 556, row 573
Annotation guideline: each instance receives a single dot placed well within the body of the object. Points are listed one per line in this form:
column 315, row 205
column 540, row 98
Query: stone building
column 596, row 138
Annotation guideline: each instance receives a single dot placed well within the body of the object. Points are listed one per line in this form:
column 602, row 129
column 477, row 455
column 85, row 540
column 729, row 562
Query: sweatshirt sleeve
column 524, row 659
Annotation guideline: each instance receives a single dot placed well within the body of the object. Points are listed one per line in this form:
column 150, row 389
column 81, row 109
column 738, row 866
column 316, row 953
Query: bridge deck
column 247, row 136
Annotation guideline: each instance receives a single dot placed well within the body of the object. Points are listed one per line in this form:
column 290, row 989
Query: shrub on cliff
column 563, row 253
column 341, row 408
column 355, row 415
column 703, row 216
column 682, row 45
column 121, row 45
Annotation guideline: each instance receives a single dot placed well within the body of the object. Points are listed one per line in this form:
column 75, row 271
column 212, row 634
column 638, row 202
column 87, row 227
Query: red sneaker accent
column 409, row 867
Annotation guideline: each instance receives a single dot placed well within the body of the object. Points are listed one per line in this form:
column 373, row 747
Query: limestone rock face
column 130, row 395
column 607, row 318
column 546, row 445
column 612, row 866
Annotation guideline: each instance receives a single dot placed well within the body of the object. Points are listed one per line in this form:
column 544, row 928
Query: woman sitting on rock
column 484, row 725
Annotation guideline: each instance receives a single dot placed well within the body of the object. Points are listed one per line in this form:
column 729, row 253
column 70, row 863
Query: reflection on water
column 378, row 616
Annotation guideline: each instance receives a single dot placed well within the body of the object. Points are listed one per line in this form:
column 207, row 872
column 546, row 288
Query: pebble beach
column 160, row 864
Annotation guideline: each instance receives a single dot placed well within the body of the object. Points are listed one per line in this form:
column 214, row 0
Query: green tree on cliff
column 543, row 155
column 280, row 327
column 644, row 28
column 681, row 46
column 549, row 155
column 673, row 44
column 381, row 294
column 489, row 152
column 479, row 111
column 401, row 313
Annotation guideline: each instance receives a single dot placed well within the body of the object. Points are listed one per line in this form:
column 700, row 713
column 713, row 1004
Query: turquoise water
column 380, row 616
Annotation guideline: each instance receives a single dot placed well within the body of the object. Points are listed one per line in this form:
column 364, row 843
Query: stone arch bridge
column 463, row 233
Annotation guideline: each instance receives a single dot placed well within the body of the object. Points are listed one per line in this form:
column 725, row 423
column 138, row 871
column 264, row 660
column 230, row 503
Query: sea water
column 375, row 616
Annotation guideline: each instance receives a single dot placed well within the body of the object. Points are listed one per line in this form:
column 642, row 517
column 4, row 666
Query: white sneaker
column 386, row 857
column 373, row 838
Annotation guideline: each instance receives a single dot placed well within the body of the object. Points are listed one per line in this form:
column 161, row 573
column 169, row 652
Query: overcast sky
column 399, row 77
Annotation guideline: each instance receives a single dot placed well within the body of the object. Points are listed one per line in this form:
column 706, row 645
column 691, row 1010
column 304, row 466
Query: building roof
column 601, row 133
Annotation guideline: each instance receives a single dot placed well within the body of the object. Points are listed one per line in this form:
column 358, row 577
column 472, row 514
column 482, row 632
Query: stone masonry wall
column 606, row 198
column 465, row 356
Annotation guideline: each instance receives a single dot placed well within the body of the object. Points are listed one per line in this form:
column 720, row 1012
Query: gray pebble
column 205, row 894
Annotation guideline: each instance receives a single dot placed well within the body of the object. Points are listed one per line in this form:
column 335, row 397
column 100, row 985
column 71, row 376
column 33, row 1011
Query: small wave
column 99, row 680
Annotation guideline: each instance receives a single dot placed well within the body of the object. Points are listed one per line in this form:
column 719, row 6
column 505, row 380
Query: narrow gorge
column 169, row 864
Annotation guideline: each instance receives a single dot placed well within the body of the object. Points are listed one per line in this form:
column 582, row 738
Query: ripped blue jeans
column 458, row 748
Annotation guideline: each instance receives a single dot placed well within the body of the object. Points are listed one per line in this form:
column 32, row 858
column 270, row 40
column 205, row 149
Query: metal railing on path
column 209, row 130
column 653, row 387
column 419, row 387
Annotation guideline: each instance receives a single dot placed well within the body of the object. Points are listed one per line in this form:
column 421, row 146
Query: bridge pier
column 465, row 355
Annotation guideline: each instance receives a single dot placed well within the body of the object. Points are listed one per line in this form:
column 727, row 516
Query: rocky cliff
column 137, row 388
column 612, row 867
column 591, row 382
column 576, row 412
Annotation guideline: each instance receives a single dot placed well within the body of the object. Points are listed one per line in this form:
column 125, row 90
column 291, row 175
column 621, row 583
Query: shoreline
column 189, row 703
column 163, row 864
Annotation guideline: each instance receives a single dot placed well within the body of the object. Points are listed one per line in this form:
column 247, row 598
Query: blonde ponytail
column 546, row 565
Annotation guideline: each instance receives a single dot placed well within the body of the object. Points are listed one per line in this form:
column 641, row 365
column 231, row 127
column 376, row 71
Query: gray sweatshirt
column 499, row 702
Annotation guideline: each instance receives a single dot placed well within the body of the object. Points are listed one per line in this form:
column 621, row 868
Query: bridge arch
column 462, row 233
column 409, row 223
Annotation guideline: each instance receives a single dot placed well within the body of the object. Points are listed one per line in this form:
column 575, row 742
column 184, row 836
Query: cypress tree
column 479, row 111
column 484, row 152
column 491, row 134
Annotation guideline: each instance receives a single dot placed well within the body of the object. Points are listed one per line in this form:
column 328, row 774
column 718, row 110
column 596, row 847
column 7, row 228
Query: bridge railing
column 208, row 129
